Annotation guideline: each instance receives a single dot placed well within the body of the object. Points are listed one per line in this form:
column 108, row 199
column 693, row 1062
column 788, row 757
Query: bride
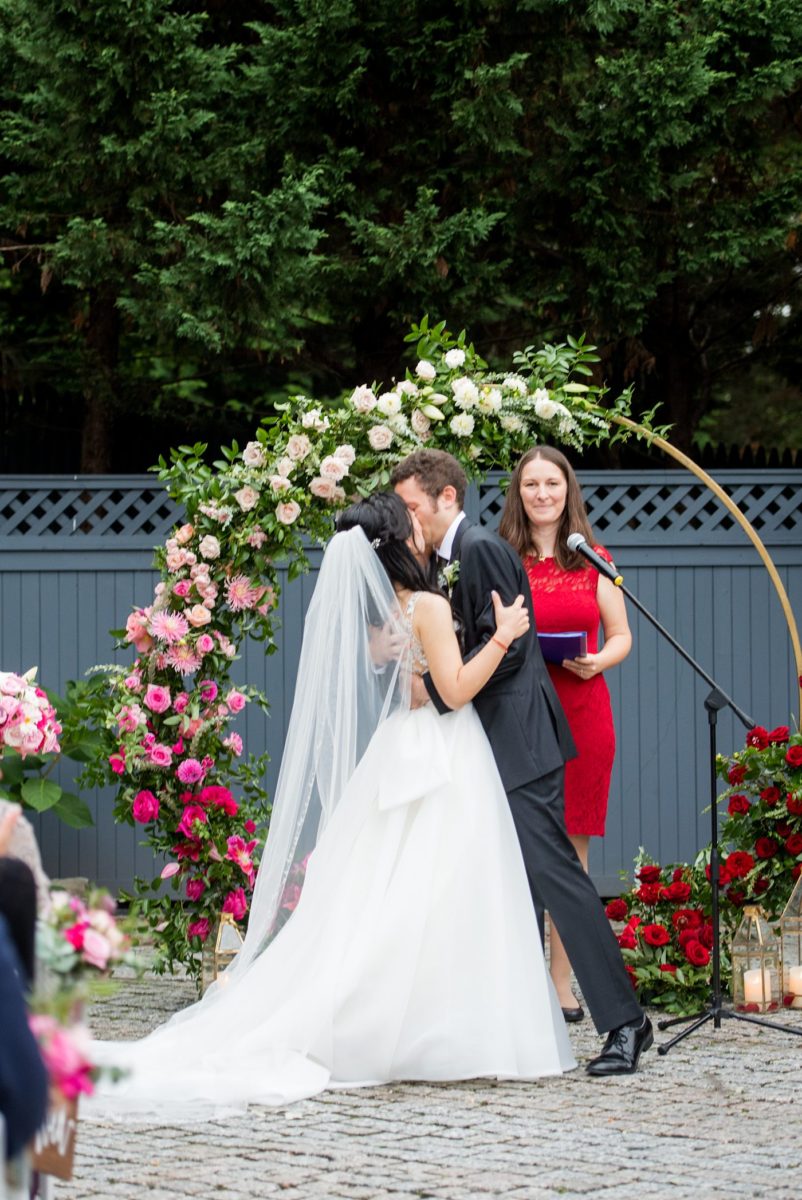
column 413, row 951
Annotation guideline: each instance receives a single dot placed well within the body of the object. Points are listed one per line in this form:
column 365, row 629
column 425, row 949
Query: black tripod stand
column 715, row 701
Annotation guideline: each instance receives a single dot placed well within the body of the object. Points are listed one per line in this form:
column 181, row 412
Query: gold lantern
column 220, row 953
column 755, row 955
column 790, row 931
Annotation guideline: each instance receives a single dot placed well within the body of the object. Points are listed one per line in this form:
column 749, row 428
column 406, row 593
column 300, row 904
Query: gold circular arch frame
column 748, row 529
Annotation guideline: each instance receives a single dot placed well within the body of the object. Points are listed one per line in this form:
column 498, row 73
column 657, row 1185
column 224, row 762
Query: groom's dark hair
column 434, row 470
column 387, row 525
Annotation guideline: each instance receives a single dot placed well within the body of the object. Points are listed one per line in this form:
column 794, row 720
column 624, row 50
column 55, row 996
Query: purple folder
column 557, row 646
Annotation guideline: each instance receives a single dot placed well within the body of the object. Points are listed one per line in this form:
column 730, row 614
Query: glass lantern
column 756, row 972
column 222, row 952
column 790, row 931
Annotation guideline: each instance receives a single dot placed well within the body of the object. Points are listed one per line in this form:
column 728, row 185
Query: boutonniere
column 447, row 577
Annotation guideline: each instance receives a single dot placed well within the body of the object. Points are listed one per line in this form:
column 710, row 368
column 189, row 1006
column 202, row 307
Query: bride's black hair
column 387, row 525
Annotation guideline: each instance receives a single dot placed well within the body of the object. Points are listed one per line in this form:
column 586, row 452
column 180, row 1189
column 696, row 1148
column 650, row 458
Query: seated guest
column 23, row 1078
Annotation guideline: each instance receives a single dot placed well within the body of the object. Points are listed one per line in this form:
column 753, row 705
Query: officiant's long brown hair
column 514, row 526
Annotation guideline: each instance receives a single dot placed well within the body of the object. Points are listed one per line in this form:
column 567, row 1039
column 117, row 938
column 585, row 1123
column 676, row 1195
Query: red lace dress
column 565, row 601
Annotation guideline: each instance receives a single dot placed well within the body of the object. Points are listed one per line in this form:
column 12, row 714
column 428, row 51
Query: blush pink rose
column 185, row 534
column 182, row 588
column 199, row 614
column 159, row 755
column 288, row 512
column 236, row 701
column 96, row 949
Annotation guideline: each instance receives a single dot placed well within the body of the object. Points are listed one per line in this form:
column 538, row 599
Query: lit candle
column 795, row 986
column 755, row 990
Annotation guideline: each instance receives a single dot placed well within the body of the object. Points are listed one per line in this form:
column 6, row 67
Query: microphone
column 579, row 545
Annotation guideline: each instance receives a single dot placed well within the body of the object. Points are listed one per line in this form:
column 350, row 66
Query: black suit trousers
column 559, row 884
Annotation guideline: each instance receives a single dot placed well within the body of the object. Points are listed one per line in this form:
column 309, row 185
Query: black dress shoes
column 571, row 1015
column 622, row 1050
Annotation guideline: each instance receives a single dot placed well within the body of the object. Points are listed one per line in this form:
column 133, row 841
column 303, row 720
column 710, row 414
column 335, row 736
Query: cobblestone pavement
column 719, row 1116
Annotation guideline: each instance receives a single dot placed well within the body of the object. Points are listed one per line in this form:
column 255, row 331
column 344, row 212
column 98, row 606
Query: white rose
column 310, row 419
column 247, row 498
column 346, row 454
column 363, row 399
column 545, row 407
column 420, row 423
column 279, row 484
column 515, row 384
column 512, row 423
column 490, row 400
column 425, row 370
column 462, row 424
column 285, row 466
column 333, row 468
column 323, row 488
column 466, row 393
column 389, row 403
column 474, row 451
column 210, row 547
column 380, row 437
column 407, row 387
column 254, row 455
column 298, row 447
column 288, row 511
column 454, row 359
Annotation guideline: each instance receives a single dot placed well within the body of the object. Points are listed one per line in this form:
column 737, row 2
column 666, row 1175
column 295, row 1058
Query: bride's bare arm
column 456, row 681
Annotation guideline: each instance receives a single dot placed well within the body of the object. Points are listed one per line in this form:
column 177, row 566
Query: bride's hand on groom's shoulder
column 512, row 621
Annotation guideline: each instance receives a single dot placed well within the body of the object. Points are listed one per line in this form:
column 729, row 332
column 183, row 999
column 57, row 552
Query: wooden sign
column 54, row 1144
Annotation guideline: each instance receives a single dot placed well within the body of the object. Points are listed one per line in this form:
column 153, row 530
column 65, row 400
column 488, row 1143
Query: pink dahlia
column 168, row 626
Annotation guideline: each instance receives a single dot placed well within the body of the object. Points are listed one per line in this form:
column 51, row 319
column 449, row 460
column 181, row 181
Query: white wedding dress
column 413, row 952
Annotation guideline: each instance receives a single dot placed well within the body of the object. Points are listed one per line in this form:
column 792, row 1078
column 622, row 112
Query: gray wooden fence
column 75, row 556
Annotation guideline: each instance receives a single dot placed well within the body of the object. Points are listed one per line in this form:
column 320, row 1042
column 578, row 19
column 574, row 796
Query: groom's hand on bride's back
column 418, row 695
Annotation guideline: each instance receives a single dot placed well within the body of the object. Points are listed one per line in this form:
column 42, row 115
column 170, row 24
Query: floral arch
column 166, row 719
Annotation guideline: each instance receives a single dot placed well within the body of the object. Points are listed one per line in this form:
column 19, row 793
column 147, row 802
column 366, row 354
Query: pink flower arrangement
column 236, row 903
column 66, row 1053
column 28, row 722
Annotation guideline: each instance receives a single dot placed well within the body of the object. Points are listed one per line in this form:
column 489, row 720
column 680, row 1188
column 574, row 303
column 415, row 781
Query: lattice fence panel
column 72, row 512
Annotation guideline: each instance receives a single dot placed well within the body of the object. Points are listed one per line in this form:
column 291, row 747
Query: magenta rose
column 160, row 756
column 208, row 691
column 157, row 698
column 250, row 827
column 192, row 813
column 145, row 807
column 195, row 889
column 117, row 762
column 221, row 797
column 199, row 929
column 236, row 903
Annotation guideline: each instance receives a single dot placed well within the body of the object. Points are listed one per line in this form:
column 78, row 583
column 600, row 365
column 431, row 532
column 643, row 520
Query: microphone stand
column 714, row 702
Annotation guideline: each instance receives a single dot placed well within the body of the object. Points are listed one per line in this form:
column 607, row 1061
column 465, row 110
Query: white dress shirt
column 447, row 544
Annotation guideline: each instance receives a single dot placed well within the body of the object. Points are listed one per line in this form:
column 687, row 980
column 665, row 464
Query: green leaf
column 73, row 811
column 41, row 794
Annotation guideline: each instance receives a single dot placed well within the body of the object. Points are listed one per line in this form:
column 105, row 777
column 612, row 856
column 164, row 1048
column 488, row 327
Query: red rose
column 736, row 896
column 669, row 968
column 634, row 922
column 738, row 804
column 724, row 873
column 649, row 873
column 633, row 979
column 794, row 804
column 736, row 774
column 796, row 870
column 617, row 910
column 697, row 954
column 761, row 884
column 739, row 864
column 793, row 756
column 627, row 939
column 779, row 735
column 656, row 935
column 783, row 829
column 649, row 893
column 770, row 796
column 706, row 935
column 687, row 918
column 677, row 892
column 766, row 847
column 688, row 935
column 758, row 737
column 794, row 845
column 679, row 873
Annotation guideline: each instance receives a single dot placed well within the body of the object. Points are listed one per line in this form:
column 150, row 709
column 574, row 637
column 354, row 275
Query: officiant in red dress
column 543, row 506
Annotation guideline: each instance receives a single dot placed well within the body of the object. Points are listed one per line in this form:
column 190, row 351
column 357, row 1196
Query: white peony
column 420, row 423
column 545, row 407
column 247, row 498
column 490, row 400
column 333, row 468
column 380, row 437
column 346, row 454
column 514, row 383
column 466, row 393
column 425, row 370
column 254, row 455
column 362, row 399
column 407, row 387
column 462, row 424
column 512, row 423
column 454, row 359
column 389, row 403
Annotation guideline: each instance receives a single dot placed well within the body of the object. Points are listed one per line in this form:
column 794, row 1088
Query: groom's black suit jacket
column 518, row 707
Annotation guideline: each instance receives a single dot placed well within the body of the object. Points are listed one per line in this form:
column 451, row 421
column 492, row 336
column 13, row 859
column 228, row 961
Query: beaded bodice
column 418, row 661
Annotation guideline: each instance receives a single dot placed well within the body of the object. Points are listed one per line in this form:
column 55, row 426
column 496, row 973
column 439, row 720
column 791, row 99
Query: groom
column 531, row 742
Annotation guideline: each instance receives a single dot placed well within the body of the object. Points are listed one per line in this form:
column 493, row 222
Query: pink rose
column 145, row 807
column 199, row 929
column 182, row 588
column 380, row 437
column 185, row 534
column 134, row 682
column 199, row 614
column 247, row 498
column 195, row 889
column 250, row 827
column 205, row 643
column 208, row 691
column 117, row 762
column 279, row 484
column 334, row 468
column 298, row 447
column 180, row 703
column 190, row 771
column 236, row 903
column 157, row 698
column 236, row 701
column 288, row 512
column 130, row 716
column 160, row 756
column 96, row 949
column 233, row 743
column 323, row 488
